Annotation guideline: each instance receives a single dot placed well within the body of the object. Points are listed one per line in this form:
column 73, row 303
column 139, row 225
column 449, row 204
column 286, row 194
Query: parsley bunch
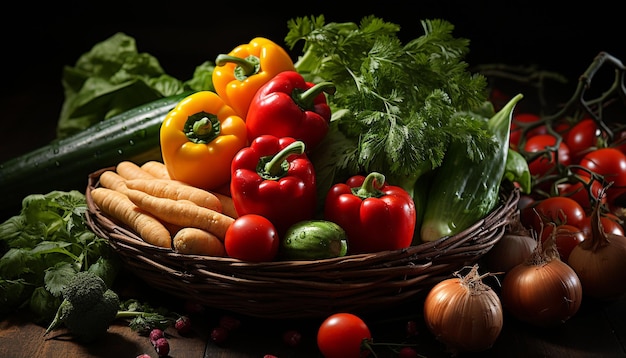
column 397, row 107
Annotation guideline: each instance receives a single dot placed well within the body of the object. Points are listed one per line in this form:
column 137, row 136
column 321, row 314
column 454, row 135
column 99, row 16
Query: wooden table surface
column 597, row 330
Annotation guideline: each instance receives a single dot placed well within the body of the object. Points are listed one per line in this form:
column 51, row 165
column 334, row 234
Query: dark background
column 40, row 40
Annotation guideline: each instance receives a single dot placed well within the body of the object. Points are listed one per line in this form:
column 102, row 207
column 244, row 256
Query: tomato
column 519, row 122
column 582, row 138
column 610, row 225
column 578, row 191
column 559, row 210
column 545, row 163
column 341, row 335
column 611, row 164
column 252, row 238
column 566, row 238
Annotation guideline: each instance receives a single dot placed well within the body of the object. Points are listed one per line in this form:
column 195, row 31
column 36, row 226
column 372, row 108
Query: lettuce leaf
column 111, row 78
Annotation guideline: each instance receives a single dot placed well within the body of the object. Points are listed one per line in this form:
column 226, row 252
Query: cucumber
column 463, row 192
column 65, row 164
column 313, row 240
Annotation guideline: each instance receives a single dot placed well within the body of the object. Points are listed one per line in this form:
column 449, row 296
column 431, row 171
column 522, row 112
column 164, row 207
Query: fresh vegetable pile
column 362, row 145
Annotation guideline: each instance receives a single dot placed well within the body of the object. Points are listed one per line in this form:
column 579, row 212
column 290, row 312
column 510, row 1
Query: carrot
column 156, row 169
column 228, row 207
column 111, row 180
column 182, row 212
column 191, row 240
column 120, row 207
column 130, row 170
column 165, row 188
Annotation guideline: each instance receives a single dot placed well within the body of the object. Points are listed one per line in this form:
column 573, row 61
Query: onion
column 543, row 290
column 600, row 261
column 464, row 313
column 513, row 248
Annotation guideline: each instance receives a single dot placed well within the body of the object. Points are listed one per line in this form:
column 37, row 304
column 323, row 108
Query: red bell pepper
column 375, row 215
column 288, row 106
column 274, row 178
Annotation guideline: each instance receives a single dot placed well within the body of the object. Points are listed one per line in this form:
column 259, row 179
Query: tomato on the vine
column 566, row 237
column 581, row 191
column 559, row 210
column 253, row 238
column 610, row 163
column 610, row 224
column 582, row 138
column 545, row 163
column 341, row 335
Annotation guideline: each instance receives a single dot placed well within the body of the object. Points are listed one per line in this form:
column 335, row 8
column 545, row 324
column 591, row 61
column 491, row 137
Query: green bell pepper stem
column 246, row 67
column 369, row 189
column 202, row 127
column 306, row 99
column 278, row 165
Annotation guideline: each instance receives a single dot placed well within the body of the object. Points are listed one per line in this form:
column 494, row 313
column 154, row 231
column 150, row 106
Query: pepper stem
column 278, row 165
column 369, row 189
column 202, row 127
column 306, row 99
column 246, row 67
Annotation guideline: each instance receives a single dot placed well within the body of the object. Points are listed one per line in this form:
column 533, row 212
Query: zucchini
column 65, row 164
column 313, row 240
column 463, row 192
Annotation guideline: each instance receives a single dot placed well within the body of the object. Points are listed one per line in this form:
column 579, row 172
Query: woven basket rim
column 298, row 289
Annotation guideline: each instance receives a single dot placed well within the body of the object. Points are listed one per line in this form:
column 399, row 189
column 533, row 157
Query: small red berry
column 162, row 347
column 219, row 335
column 155, row 334
column 183, row 325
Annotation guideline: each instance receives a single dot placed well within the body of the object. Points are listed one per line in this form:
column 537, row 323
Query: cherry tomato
column 519, row 122
column 566, row 237
column 559, row 210
column 252, row 238
column 611, row 164
column 582, row 138
column 341, row 336
column 579, row 192
column 544, row 163
column 609, row 224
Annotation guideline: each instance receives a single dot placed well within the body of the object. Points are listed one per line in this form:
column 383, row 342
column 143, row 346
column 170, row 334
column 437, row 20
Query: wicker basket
column 303, row 289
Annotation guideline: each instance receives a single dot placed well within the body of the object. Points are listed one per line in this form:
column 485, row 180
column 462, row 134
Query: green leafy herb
column 43, row 247
column 397, row 106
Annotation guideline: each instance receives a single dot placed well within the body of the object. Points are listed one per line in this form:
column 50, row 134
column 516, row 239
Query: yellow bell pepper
column 199, row 138
column 238, row 75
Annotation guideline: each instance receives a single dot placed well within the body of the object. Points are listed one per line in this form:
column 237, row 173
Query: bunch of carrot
column 165, row 212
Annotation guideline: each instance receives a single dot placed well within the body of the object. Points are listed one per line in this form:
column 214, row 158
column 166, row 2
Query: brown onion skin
column 600, row 263
column 512, row 249
column 467, row 317
column 542, row 293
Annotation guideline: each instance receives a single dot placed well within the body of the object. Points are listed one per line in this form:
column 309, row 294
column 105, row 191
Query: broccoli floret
column 88, row 307
column 84, row 289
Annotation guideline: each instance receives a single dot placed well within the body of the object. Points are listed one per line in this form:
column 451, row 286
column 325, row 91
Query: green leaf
column 408, row 101
column 202, row 79
column 58, row 276
column 517, row 171
column 111, row 78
